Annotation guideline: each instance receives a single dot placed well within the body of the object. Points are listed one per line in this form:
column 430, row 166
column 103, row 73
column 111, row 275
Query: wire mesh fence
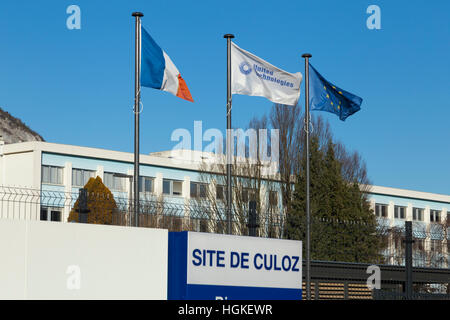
column 172, row 213
column 395, row 295
column 431, row 246
column 332, row 239
column 353, row 242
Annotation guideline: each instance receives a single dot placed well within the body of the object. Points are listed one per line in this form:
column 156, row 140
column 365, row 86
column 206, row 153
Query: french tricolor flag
column 158, row 71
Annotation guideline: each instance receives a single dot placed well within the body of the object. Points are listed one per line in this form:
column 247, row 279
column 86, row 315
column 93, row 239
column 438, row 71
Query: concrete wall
column 49, row 260
column 21, row 169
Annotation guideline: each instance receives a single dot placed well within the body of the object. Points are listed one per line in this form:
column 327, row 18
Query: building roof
column 404, row 193
column 179, row 159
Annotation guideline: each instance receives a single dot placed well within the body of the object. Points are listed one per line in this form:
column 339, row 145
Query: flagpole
column 308, row 214
column 137, row 99
column 229, row 142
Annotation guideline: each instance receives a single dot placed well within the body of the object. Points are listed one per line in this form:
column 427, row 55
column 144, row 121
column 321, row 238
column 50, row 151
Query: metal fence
column 430, row 248
column 332, row 240
column 378, row 242
column 172, row 213
column 395, row 295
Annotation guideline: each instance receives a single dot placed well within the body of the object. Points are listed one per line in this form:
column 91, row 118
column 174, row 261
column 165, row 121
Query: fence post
column 252, row 219
column 345, row 290
column 408, row 259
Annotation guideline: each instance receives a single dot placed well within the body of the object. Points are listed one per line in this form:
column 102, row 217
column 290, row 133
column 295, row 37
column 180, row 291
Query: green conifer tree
column 343, row 228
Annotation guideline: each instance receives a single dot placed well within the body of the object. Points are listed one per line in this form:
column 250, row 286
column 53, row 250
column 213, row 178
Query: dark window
column 113, row 182
column 245, row 195
column 166, row 186
column 55, row 215
column 146, row 184
column 248, row 194
column 435, row 216
column 436, row 246
column 419, row 244
column 172, row 187
column 220, row 192
column 202, row 191
column 44, row 214
column 399, row 212
column 80, row 177
column 381, row 210
column 418, row 214
column 273, row 198
column 52, row 214
column 52, row 175
column 198, row 190
column 398, row 243
column 200, row 225
column 193, row 190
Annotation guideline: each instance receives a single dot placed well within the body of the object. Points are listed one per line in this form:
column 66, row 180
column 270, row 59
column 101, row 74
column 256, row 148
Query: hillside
column 13, row 130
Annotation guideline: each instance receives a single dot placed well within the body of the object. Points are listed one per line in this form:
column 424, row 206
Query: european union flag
column 325, row 96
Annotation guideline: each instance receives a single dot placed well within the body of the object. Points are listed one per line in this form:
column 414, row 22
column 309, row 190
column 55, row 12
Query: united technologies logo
column 245, row 68
column 263, row 73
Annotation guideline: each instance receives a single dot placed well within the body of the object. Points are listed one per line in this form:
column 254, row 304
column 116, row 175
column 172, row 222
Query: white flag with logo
column 252, row 76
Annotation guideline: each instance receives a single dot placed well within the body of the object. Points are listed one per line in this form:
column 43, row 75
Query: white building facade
column 54, row 169
column 57, row 170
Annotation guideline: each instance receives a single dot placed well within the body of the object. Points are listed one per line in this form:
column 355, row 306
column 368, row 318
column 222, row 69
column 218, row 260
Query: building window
column 44, row 215
column 166, row 186
column 418, row 214
column 419, row 244
column 55, row 215
column 172, row 187
column 116, row 183
column 80, row 177
column 381, row 210
column 399, row 244
column 435, row 216
column 52, row 175
column 50, row 214
column 248, row 194
column 146, row 184
column 220, row 192
column 436, row 246
column 399, row 212
column 273, row 198
column 200, row 225
column 198, row 190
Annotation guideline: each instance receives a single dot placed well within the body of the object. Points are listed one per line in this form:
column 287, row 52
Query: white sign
column 224, row 260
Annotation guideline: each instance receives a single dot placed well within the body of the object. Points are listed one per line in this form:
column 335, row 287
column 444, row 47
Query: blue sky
column 76, row 86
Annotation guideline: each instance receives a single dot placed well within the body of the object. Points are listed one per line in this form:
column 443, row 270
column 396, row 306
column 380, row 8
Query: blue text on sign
column 242, row 260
